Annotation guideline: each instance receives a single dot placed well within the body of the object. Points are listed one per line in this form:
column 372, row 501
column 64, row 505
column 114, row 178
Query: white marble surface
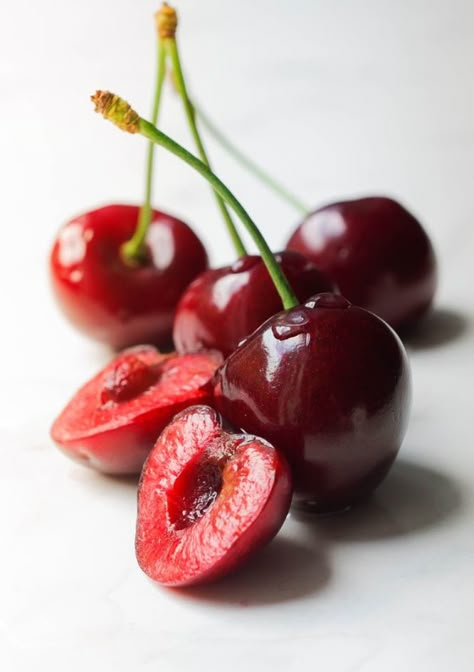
column 339, row 98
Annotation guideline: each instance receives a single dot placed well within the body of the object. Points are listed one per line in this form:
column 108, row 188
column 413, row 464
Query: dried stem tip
column 166, row 21
column 116, row 110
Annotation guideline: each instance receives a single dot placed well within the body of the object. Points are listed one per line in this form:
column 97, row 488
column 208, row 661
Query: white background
column 338, row 98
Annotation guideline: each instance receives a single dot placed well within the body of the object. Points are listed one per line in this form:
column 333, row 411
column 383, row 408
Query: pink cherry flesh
column 113, row 421
column 207, row 500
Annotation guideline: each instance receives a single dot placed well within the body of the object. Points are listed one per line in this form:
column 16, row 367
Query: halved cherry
column 113, row 421
column 207, row 500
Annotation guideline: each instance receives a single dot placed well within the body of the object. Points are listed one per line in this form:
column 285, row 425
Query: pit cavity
column 194, row 491
column 127, row 378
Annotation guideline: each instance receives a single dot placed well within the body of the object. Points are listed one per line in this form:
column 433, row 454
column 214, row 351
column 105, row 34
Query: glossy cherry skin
column 207, row 500
column 328, row 383
column 224, row 305
column 115, row 302
column 113, row 421
column 377, row 252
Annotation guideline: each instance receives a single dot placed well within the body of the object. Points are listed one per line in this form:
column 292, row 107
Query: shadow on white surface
column 99, row 482
column 440, row 327
column 413, row 498
column 284, row 570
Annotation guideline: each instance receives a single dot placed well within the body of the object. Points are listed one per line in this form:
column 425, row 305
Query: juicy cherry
column 110, row 299
column 327, row 383
column 223, row 306
column 113, row 421
column 207, row 500
column 377, row 252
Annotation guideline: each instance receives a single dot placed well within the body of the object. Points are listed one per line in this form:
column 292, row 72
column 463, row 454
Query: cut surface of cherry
column 207, row 500
column 327, row 383
column 223, row 306
column 113, row 421
column 114, row 301
column 377, row 252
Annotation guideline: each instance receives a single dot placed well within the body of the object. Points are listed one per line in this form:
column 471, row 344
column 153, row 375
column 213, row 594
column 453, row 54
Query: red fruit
column 207, row 499
column 328, row 384
column 377, row 252
column 111, row 300
column 113, row 421
column 224, row 305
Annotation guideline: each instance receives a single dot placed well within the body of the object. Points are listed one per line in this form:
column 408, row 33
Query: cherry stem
column 132, row 250
column 282, row 285
column 250, row 165
column 173, row 54
column 118, row 111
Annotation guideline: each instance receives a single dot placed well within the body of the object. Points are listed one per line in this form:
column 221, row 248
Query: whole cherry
column 115, row 299
column 329, row 384
column 207, row 500
column 112, row 422
column 223, row 306
column 377, row 252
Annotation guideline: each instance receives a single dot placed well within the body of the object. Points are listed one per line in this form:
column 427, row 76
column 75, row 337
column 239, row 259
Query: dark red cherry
column 207, row 500
column 328, row 383
column 112, row 422
column 224, row 305
column 113, row 301
column 377, row 252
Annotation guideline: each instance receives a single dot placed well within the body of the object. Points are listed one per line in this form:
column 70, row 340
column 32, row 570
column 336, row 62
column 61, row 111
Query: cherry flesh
column 377, row 252
column 207, row 500
column 113, row 421
column 114, row 301
column 327, row 383
column 224, row 305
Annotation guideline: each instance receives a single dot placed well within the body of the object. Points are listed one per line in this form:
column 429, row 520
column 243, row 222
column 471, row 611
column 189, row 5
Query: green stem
column 149, row 131
column 173, row 54
column 133, row 248
column 249, row 164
